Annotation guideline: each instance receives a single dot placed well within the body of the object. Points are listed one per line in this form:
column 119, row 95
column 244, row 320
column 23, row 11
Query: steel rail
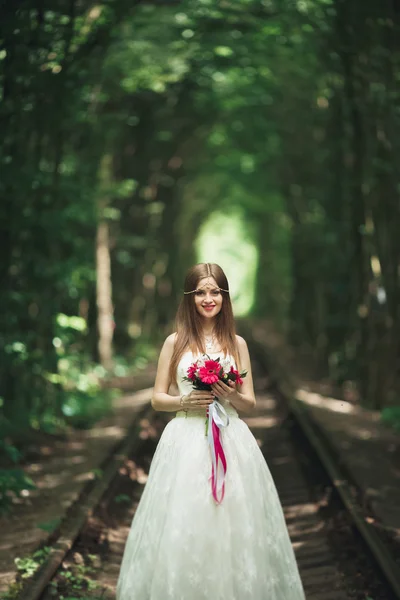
column 82, row 508
column 341, row 481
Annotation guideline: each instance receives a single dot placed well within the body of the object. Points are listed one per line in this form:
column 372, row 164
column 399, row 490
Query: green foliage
column 122, row 499
column 151, row 117
column 391, row 416
column 77, row 578
column 83, row 400
column 13, row 482
column 83, row 409
column 28, row 565
column 97, row 473
column 13, row 591
column 9, row 451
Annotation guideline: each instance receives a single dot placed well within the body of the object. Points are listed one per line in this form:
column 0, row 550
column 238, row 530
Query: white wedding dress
column 182, row 545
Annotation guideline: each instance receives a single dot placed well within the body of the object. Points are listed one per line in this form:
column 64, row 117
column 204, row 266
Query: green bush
column 391, row 416
column 12, row 483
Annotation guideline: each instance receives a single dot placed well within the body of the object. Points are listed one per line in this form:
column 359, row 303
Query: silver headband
column 198, row 289
column 209, row 274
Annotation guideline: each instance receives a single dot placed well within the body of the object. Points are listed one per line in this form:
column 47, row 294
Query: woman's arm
column 243, row 400
column 161, row 400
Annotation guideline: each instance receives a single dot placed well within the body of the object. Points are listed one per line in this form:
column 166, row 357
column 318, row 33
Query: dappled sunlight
column 83, row 477
column 261, row 422
column 46, row 450
column 223, row 132
column 309, row 547
column 135, row 400
column 303, row 526
column 60, row 466
column 111, row 431
column 8, row 542
column 57, row 480
column 362, row 434
column 303, row 509
column 76, row 444
column 367, row 449
column 225, row 239
column 134, row 472
column 297, row 545
column 264, row 415
column 77, row 460
column 351, row 420
column 303, row 521
column 17, row 542
column 334, row 404
column 266, row 403
column 148, row 430
column 67, row 466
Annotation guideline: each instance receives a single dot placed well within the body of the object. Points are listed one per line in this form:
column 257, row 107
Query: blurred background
column 140, row 137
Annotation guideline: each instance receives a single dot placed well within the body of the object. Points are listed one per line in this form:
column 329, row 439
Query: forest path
column 61, row 471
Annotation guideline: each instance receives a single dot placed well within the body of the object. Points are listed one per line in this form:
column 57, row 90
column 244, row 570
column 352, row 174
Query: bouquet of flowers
column 202, row 374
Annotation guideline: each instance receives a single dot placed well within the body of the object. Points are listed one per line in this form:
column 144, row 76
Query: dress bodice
column 185, row 387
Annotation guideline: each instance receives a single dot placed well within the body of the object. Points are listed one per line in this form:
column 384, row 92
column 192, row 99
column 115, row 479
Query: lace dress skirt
column 184, row 546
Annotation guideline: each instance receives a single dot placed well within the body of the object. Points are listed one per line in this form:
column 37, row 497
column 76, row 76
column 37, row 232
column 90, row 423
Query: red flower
column 209, row 373
column 191, row 372
column 236, row 373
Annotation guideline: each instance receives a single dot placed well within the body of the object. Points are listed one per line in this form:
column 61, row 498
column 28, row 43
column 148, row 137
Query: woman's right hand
column 197, row 399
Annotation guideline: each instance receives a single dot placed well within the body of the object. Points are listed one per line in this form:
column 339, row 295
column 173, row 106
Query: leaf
column 223, row 51
column 122, row 498
column 97, row 473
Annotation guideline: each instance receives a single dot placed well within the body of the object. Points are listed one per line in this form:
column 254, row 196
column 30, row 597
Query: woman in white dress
column 184, row 544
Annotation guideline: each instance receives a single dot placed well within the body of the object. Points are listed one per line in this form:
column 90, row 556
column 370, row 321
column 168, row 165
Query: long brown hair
column 188, row 321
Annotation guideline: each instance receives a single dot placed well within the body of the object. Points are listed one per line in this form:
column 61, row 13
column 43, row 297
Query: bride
column 185, row 544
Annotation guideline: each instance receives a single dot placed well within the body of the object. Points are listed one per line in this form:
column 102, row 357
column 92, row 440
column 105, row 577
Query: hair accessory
column 198, row 289
column 209, row 274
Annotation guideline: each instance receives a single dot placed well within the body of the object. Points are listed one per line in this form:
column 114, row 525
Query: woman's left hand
column 222, row 389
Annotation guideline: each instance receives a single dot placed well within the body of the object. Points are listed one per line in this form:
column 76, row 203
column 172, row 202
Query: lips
column 209, row 307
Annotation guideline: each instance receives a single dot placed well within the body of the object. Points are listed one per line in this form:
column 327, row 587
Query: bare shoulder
column 162, row 381
column 167, row 350
column 243, row 350
column 241, row 342
column 170, row 342
column 171, row 338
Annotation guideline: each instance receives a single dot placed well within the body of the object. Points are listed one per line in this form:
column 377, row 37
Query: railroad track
column 334, row 562
column 367, row 558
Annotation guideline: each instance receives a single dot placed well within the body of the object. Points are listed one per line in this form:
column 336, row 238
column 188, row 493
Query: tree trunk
column 105, row 320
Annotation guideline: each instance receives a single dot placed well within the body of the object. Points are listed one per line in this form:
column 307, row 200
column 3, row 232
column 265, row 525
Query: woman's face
column 208, row 298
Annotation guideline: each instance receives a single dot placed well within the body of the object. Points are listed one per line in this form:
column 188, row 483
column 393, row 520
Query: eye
column 200, row 293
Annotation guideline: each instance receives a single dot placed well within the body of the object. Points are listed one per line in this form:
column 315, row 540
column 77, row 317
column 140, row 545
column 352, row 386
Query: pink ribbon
column 218, row 419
